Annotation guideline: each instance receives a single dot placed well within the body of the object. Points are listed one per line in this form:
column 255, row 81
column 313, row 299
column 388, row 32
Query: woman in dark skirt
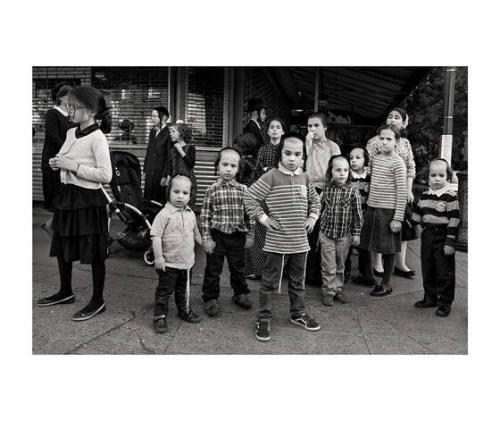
column 57, row 123
column 157, row 161
column 80, row 219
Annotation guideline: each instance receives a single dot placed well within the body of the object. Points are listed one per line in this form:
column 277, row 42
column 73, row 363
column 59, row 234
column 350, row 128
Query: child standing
column 293, row 209
column 437, row 212
column 340, row 220
column 226, row 231
column 268, row 156
column 386, row 206
column 183, row 158
column 174, row 233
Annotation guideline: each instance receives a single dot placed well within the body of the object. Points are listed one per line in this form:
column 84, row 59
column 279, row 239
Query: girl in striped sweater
column 381, row 232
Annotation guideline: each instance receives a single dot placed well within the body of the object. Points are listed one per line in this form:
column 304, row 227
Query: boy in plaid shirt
column 226, row 230
column 341, row 219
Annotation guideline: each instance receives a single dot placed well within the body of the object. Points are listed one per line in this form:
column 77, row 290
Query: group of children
column 361, row 204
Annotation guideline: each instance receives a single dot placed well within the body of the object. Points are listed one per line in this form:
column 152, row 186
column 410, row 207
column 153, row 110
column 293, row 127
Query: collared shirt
column 267, row 156
column 224, row 209
column 362, row 183
column 178, row 231
column 64, row 113
column 319, row 153
column 342, row 214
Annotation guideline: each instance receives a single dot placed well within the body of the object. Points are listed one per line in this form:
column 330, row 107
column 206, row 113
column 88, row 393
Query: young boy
column 293, row 210
column 174, row 233
column 226, row 231
column 436, row 217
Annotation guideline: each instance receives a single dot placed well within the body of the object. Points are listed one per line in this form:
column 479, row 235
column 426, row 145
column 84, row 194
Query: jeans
column 333, row 255
column 273, row 274
column 172, row 281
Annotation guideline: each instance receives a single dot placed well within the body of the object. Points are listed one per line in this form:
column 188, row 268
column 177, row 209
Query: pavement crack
column 144, row 346
column 172, row 339
column 358, row 321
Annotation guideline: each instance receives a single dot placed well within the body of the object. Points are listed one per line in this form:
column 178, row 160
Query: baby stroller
column 129, row 206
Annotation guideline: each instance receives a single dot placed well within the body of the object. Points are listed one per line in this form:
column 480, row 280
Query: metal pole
column 445, row 147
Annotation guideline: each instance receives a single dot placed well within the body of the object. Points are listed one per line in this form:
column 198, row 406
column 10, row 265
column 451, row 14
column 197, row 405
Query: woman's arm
column 102, row 172
column 190, row 156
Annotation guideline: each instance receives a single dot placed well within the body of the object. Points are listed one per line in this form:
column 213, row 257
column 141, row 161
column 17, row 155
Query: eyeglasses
column 75, row 107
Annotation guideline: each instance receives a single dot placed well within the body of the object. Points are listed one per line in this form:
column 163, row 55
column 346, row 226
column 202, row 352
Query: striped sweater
column 439, row 209
column 388, row 184
column 291, row 199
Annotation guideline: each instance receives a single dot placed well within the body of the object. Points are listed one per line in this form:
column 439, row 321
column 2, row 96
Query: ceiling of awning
column 366, row 93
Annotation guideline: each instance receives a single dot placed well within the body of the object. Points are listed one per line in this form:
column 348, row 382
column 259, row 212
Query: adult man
column 257, row 112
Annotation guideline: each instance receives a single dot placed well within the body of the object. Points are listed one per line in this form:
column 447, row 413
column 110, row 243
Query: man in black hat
column 257, row 111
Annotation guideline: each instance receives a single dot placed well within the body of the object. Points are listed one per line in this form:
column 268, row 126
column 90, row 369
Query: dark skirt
column 51, row 183
column 80, row 225
column 376, row 234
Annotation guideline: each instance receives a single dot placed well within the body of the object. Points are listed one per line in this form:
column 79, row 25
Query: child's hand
column 355, row 240
column 160, row 264
column 395, row 226
column 272, row 224
column 249, row 242
column 418, row 231
column 410, row 197
column 209, row 246
column 60, row 162
column 163, row 181
column 448, row 250
column 309, row 225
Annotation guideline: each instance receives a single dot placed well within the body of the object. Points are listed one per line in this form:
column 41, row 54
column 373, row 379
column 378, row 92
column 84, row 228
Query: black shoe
column 242, row 301
column 87, row 313
column 425, row 304
column 190, row 317
column 212, row 307
column 340, row 298
column 380, row 291
column 56, row 299
column 377, row 273
column 443, row 311
column 406, row 274
column 263, row 330
column 160, row 324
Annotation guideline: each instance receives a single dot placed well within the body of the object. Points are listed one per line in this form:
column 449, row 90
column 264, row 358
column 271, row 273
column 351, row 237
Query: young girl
column 293, row 209
column 360, row 179
column 174, row 233
column 340, row 224
column 80, row 219
column 226, row 231
column 183, row 156
column 268, row 156
column 386, row 206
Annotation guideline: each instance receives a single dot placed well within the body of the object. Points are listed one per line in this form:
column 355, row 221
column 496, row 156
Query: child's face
column 155, row 118
column 340, row 171
column 315, row 126
column 387, row 141
column 228, row 165
column 174, row 133
column 357, row 159
column 291, row 155
column 437, row 175
column 394, row 118
column 77, row 112
column 275, row 130
column 180, row 192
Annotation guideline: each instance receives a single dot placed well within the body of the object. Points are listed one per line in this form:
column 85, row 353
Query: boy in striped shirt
column 293, row 206
column 436, row 217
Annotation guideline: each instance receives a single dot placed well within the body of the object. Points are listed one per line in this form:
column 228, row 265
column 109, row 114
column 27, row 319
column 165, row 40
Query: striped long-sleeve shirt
column 403, row 149
column 439, row 209
column 291, row 199
column 388, row 184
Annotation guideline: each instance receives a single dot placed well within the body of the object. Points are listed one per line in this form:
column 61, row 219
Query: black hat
column 255, row 104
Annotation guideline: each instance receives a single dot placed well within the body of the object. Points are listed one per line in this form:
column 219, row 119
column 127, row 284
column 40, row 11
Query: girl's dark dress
column 157, row 164
column 56, row 126
column 185, row 166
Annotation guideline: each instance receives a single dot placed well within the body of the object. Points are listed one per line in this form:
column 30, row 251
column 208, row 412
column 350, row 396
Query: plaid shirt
column 224, row 210
column 268, row 156
column 342, row 213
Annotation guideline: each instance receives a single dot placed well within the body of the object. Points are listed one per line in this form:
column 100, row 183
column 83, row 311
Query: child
column 174, row 233
column 80, row 219
column 250, row 169
column 360, row 179
column 319, row 150
column 386, row 206
column 341, row 218
column 438, row 214
column 183, row 156
column 293, row 210
column 268, row 156
column 224, row 229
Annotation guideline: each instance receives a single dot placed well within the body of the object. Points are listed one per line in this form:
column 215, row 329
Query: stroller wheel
column 149, row 257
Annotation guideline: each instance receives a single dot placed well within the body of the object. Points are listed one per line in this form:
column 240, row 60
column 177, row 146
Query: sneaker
column 85, row 313
column 190, row 317
column 425, row 304
column 443, row 311
column 327, row 300
column 160, row 324
column 212, row 307
column 340, row 298
column 305, row 321
column 56, row 299
column 242, row 301
column 263, row 330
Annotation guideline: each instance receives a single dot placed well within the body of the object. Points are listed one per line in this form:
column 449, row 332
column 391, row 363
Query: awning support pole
column 445, row 147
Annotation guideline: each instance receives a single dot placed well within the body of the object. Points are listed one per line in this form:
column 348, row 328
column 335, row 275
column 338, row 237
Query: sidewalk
column 366, row 325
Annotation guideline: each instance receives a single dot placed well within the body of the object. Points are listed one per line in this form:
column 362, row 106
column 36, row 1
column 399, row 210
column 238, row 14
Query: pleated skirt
column 376, row 234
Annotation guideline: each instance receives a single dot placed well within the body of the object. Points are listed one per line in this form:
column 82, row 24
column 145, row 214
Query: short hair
column 162, row 111
column 185, row 132
column 60, row 91
column 291, row 135
column 219, row 156
column 246, row 143
column 169, row 185
column 366, row 155
column 328, row 174
column 449, row 170
column 392, row 127
column 94, row 101
column 279, row 120
column 321, row 116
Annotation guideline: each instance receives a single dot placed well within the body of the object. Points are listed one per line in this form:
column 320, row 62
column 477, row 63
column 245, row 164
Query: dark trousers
column 172, row 281
column 364, row 262
column 231, row 246
column 272, row 276
column 313, row 267
column 438, row 270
